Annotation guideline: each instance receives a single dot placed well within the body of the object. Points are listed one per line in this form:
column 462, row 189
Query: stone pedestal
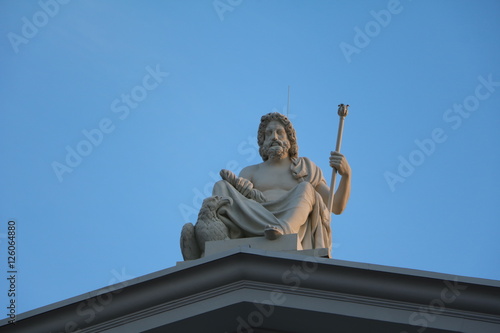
column 286, row 243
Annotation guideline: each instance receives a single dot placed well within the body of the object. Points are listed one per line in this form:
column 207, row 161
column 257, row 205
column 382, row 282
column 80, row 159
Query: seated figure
column 285, row 194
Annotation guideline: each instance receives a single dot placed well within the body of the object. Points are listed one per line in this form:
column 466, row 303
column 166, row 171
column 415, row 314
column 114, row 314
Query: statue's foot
column 272, row 233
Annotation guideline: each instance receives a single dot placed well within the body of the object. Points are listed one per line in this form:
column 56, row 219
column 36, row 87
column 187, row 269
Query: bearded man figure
column 285, row 194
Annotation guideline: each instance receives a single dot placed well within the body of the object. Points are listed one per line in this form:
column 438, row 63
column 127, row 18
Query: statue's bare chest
column 273, row 178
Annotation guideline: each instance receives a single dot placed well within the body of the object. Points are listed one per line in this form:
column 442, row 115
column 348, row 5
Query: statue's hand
column 339, row 163
column 244, row 186
column 228, row 176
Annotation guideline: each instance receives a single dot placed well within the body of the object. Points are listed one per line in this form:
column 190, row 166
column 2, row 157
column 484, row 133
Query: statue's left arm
column 339, row 162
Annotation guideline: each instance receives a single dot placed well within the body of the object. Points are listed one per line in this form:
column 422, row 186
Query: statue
column 285, row 194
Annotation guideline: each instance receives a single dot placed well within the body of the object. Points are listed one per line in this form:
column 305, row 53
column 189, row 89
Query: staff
column 342, row 112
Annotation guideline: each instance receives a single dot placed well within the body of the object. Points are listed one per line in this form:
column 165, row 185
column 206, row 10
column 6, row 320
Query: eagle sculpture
column 208, row 228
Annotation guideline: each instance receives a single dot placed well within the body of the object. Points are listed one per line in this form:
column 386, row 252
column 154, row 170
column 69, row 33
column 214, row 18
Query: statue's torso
column 273, row 181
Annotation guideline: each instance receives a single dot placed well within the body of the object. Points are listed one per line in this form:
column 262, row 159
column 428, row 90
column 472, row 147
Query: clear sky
column 116, row 117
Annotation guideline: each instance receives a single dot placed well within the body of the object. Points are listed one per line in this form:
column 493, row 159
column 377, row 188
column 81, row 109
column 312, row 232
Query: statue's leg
column 303, row 210
column 272, row 232
column 245, row 217
column 294, row 208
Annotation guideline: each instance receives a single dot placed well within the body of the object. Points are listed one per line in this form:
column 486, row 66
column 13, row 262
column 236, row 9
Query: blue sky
column 116, row 117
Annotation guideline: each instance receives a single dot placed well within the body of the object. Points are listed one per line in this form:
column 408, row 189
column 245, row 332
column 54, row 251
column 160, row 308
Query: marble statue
column 285, row 194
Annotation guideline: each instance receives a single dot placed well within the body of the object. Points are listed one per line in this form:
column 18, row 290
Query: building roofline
column 247, row 267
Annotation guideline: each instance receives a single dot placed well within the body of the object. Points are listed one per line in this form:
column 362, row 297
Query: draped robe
column 301, row 210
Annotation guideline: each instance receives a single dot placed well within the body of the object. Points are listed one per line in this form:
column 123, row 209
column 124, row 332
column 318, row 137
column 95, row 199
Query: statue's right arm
column 242, row 184
column 248, row 173
column 339, row 162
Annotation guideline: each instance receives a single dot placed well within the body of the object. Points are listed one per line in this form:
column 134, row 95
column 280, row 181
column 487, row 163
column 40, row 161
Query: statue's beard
column 276, row 149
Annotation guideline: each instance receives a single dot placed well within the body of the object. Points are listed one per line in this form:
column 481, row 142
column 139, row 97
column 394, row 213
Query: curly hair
column 290, row 132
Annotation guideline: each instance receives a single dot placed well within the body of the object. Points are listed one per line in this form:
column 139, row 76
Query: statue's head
column 291, row 140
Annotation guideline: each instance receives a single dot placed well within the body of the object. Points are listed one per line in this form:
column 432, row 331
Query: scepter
column 342, row 112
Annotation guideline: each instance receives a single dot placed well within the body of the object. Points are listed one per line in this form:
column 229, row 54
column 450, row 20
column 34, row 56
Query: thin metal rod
column 288, row 105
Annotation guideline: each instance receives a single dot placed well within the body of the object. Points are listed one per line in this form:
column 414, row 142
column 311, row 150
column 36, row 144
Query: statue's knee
column 219, row 187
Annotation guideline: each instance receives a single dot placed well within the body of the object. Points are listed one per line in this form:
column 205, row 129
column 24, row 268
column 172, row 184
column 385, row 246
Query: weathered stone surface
column 285, row 194
column 284, row 243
